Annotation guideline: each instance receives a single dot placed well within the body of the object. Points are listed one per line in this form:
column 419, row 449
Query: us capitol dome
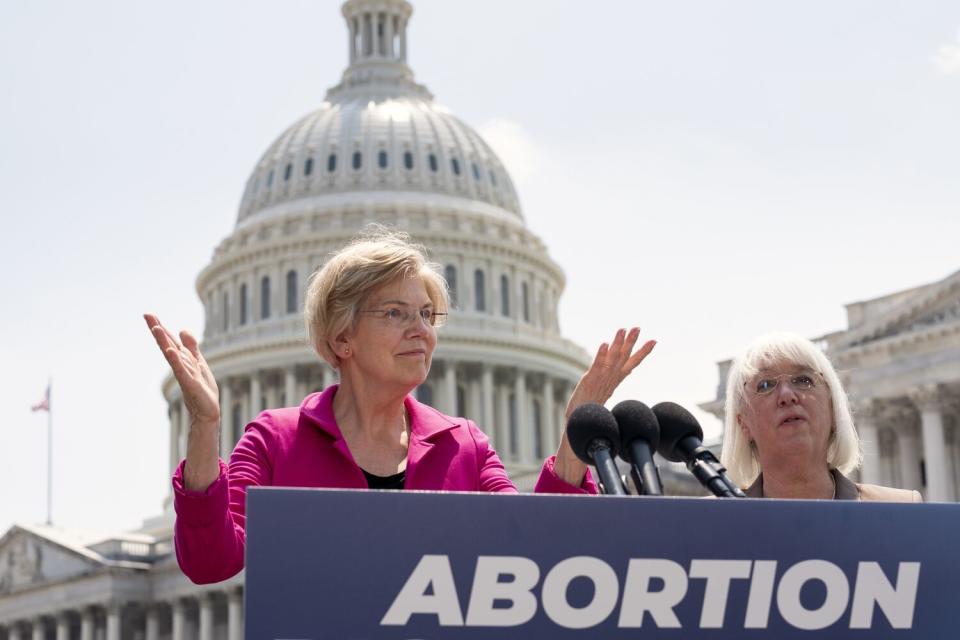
column 380, row 150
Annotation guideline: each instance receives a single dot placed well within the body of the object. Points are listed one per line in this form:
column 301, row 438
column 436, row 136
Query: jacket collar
column 845, row 489
column 425, row 422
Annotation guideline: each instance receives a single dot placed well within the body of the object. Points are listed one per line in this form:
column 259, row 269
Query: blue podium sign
column 366, row 565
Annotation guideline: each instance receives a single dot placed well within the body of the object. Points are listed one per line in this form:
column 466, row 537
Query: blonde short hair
column 738, row 453
column 375, row 258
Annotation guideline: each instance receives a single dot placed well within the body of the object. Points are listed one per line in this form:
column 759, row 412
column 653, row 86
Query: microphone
column 594, row 437
column 681, row 440
column 639, row 437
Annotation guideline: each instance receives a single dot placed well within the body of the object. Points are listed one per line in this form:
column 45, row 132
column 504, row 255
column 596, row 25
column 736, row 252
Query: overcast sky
column 709, row 171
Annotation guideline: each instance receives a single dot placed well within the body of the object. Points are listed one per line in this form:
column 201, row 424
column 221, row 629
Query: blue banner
column 420, row 565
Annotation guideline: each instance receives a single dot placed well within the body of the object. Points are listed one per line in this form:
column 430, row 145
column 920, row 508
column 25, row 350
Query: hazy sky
column 709, row 171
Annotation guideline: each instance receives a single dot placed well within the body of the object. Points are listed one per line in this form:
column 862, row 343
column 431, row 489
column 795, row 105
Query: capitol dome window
column 407, row 160
column 308, row 167
column 455, row 165
column 382, row 159
column 450, row 273
column 357, row 160
column 243, row 303
column 505, row 296
column 291, row 291
column 480, row 290
column 265, row 297
column 476, row 171
column 287, row 171
column 331, row 163
column 432, row 160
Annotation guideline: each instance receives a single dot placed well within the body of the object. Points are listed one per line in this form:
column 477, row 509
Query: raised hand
column 612, row 364
column 201, row 398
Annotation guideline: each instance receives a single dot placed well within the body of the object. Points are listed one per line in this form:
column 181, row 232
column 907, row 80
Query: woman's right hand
column 201, row 398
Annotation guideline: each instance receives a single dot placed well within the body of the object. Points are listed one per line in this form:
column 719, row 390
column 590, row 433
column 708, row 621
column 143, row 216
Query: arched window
column 382, row 159
column 243, row 303
column 476, row 171
column 265, row 297
column 357, row 160
column 537, row 431
column 291, row 291
column 331, row 163
column 525, row 292
column 226, row 311
column 407, row 160
column 287, row 171
column 480, row 290
column 505, row 295
column 308, row 167
column 450, row 273
column 425, row 394
column 455, row 165
column 432, row 160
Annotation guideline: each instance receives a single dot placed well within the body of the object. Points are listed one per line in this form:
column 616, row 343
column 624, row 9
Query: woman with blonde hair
column 789, row 431
column 372, row 312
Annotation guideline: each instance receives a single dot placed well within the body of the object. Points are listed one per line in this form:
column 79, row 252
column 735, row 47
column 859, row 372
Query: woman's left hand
column 612, row 364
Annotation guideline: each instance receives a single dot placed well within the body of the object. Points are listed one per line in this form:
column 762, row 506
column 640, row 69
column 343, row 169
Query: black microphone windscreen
column 635, row 420
column 590, row 422
column 676, row 423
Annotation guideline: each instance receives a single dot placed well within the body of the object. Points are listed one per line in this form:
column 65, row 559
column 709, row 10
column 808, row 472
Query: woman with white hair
column 372, row 312
column 789, row 431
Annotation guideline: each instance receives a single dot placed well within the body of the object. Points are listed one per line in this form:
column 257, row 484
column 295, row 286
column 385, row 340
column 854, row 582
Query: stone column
column 547, row 414
column 227, row 437
column 388, row 35
column 449, row 400
column 184, row 431
column 403, row 41
column 474, row 408
column 206, row 616
column 63, row 626
column 866, row 415
column 152, row 630
column 290, row 387
column 271, row 392
column 889, row 469
column 87, row 622
column 13, row 631
column 524, row 428
column 113, row 622
column 486, row 412
column 353, row 39
column 939, row 485
column 39, row 633
column 909, row 456
column 329, row 375
column 235, row 615
column 174, row 435
column 502, row 424
column 255, row 395
column 179, row 620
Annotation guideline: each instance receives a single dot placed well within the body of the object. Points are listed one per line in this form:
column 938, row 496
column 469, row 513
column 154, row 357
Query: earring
column 346, row 351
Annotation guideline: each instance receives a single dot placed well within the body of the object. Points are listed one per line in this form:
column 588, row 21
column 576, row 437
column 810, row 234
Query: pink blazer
column 303, row 447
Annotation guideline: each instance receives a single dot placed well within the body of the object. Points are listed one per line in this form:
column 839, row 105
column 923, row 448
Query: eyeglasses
column 400, row 317
column 766, row 385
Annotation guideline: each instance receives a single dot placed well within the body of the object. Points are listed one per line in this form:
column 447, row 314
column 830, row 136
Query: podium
column 347, row 565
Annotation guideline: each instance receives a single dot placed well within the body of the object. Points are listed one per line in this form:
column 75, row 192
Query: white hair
column 739, row 455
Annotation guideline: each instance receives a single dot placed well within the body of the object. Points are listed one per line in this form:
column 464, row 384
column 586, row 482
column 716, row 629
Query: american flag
column 43, row 405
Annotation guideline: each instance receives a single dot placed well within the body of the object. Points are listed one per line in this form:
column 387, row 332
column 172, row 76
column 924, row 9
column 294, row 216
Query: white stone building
column 899, row 360
column 377, row 150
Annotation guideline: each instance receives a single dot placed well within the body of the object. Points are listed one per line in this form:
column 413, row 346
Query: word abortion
column 510, row 580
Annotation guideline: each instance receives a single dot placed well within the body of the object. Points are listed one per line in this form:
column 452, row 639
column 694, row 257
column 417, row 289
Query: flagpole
column 49, row 453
